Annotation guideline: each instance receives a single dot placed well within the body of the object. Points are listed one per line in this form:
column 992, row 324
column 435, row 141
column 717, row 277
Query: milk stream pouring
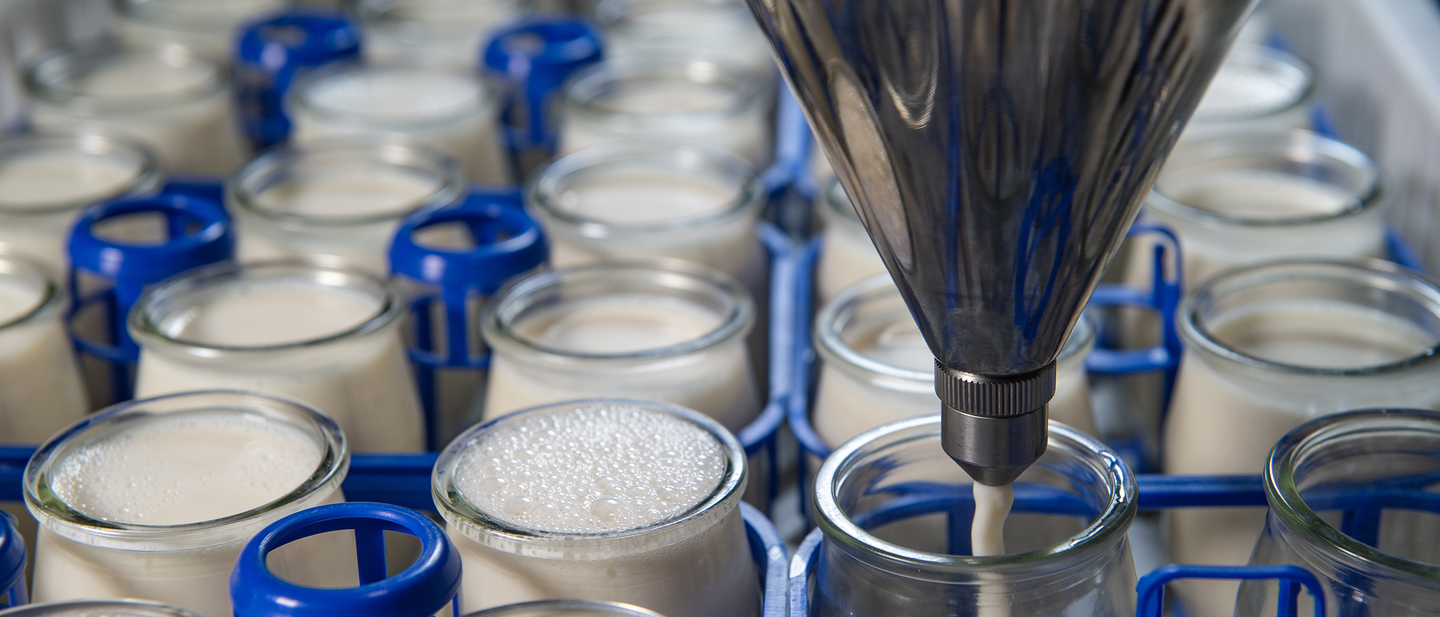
column 154, row 499
column 325, row 336
column 674, row 334
column 641, row 507
column 1269, row 347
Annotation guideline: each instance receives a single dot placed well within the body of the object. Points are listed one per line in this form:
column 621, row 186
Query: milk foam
column 1254, row 194
column 277, row 312
column 361, row 191
column 186, row 467
column 635, row 196
column 61, row 178
column 397, row 95
column 593, row 469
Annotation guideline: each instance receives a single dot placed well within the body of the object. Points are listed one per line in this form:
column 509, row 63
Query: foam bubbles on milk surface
column 592, row 469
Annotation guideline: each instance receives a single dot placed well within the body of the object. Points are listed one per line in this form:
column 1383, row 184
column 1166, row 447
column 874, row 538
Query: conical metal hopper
column 997, row 150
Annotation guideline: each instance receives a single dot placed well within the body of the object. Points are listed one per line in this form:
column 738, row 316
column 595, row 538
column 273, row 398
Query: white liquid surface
column 17, row 299
column 591, row 470
column 1323, row 335
column 645, row 197
column 143, row 77
column 1242, row 90
column 62, row 178
column 620, row 323
column 397, row 95
column 184, row 468
column 260, row 315
column 370, row 191
column 1259, row 195
column 667, row 97
column 987, row 530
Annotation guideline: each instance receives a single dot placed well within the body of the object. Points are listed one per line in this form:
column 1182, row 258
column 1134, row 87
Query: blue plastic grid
column 12, row 563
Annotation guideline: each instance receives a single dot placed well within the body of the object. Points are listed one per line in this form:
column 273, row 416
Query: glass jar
column 46, row 179
column 673, row 333
column 895, row 511
column 567, row 608
column 40, row 387
column 688, row 99
column 847, row 255
column 171, row 98
column 876, row 367
column 718, row 28
column 453, row 110
column 1257, row 89
column 328, row 337
column 120, row 608
column 204, row 25
column 1355, row 462
column 446, row 33
column 337, row 201
column 1241, row 199
column 613, row 500
column 1268, row 347
column 641, row 200
column 154, row 499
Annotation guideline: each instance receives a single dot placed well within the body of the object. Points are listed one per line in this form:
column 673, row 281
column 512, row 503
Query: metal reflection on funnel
column 997, row 150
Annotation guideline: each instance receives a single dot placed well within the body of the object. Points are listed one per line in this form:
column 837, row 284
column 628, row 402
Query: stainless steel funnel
column 997, row 150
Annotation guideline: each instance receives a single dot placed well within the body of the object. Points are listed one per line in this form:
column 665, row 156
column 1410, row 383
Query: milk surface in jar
column 847, row 256
column 40, row 387
column 674, row 334
column 328, row 337
column 718, row 28
column 1240, row 199
column 451, row 109
column 154, row 499
column 47, row 178
column 645, row 199
column 171, row 98
column 683, row 98
column 337, row 201
column 447, row 33
column 1257, row 89
column 203, row 25
column 615, row 500
column 98, row 608
column 1269, row 347
column 877, row 368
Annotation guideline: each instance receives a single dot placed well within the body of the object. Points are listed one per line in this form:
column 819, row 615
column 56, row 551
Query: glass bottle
column 895, row 512
column 1268, row 347
column 328, row 337
column 1258, row 89
column 154, row 499
column 40, row 387
column 847, row 256
column 202, row 25
column 337, row 201
column 92, row 608
column 718, row 28
column 1375, row 562
column 569, row 608
column 445, row 33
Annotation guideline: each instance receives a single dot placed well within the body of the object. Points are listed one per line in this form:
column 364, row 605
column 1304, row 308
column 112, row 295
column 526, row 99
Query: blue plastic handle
column 271, row 52
column 536, row 56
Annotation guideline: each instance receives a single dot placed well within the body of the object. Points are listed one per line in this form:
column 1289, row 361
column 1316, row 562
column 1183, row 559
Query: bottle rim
column 51, row 297
column 52, row 78
column 300, row 98
column 583, row 90
column 149, row 174
column 86, row 608
column 1266, row 57
column 536, row 608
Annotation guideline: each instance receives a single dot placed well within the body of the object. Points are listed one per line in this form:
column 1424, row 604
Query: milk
column 713, row 28
column 178, row 104
column 649, row 99
column 620, row 344
column 646, row 201
column 40, row 387
column 119, row 608
column 147, row 475
column 603, row 501
column 1256, row 89
column 287, row 333
column 448, row 33
column 847, row 256
column 203, row 25
column 877, row 368
column 987, row 529
column 343, row 213
column 1225, row 417
column 452, row 110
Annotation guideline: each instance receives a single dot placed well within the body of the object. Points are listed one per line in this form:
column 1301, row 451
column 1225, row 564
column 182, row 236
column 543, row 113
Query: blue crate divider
column 1292, row 579
column 12, row 563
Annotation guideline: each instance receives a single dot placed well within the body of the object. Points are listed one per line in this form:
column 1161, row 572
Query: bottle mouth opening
column 553, row 192
column 68, row 521
column 353, row 94
column 859, row 485
column 142, row 168
column 548, row 292
column 426, row 170
column 573, row 608
column 1329, row 172
column 50, row 297
column 599, row 92
column 474, row 523
column 1371, row 289
column 1280, row 69
column 86, row 608
column 103, row 79
column 1327, row 463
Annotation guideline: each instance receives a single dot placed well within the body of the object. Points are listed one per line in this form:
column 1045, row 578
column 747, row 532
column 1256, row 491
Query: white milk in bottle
column 847, row 256
column 173, row 99
column 674, row 334
column 204, row 25
column 448, row 33
column 47, row 178
column 154, row 499
column 451, row 109
column 640, row 200
column 337, row 201
column 1257, row 89
column 1269, row 347
column 616, row 500
column 878, row 369
column 328, row 337
column 717, row 28
column 40, row 387
column 687, row 99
